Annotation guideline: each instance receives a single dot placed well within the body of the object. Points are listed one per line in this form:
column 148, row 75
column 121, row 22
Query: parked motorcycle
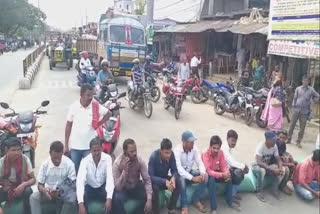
column 110, row 131
column 24, row 126
column 227, row 102
column 142, row 99
column 246, row 104
column 193, row 88
column 174, row 97
column 210, row 90
column 155, row 90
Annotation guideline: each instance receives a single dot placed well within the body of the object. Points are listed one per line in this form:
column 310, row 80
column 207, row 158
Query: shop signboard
column 298, row 49
column 294, row 20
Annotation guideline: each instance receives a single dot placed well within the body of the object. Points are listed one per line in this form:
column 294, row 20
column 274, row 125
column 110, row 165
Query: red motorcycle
column 174, row 96
column 193, row 88
column 109, row 132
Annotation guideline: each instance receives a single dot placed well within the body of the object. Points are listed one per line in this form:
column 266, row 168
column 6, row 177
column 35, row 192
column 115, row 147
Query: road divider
column 31, row 66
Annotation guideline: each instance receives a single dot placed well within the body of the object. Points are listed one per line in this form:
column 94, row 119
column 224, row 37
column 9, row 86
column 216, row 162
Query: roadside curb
column 26, row 81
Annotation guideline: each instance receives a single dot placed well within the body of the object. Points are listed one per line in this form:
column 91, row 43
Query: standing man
column 216, row 167
column 266, row 152
column 82, row 121
column 53, row 172
column 195, row 62
column 95, row 180
column 160, row 162
column 187, row 155
column 16, row 175
column 306, row 179
column 127, row 169
column 184, row 70
column 302, row 108
column 232, row 163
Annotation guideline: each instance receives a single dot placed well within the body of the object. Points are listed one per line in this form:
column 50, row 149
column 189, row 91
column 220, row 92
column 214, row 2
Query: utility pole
column 150, row 10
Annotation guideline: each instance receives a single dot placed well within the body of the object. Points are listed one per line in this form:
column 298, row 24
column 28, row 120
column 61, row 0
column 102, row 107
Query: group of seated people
column 99, row 179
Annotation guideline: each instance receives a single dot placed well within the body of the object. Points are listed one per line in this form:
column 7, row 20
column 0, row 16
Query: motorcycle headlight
column 113, row 93
column 26, row 127
column 108, row 135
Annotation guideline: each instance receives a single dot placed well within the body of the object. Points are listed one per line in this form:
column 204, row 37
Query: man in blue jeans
column 306, row 178
column 80, row 127
column 188, row 155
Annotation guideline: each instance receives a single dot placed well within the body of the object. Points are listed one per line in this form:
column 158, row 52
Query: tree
column 18, row 17
column 141, row 5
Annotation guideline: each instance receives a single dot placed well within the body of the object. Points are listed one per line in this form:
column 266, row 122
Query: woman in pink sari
column 273, row 111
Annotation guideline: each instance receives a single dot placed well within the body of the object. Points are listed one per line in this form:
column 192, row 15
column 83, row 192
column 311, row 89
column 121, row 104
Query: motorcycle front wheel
column 177, row 109
column 218, row 109
column 147, row 108
column 196, row 97
column 249, row 116
column 155, row 94
column 260, row 123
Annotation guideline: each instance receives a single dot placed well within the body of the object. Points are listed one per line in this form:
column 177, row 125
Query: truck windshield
column 118, row 34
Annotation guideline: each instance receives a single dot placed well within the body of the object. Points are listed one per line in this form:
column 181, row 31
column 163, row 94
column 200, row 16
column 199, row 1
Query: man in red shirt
column 218, row 172
column 306, row 178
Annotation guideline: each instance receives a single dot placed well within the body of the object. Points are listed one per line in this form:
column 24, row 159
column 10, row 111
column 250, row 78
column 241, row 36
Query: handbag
column 275, row 102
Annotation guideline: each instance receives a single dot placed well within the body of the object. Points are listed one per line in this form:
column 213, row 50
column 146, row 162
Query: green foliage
column 18, row 17
column 141, row 5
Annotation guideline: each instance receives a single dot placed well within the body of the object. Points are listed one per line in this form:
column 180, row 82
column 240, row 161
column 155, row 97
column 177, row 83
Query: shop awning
column 245, row 29
column 198, row 27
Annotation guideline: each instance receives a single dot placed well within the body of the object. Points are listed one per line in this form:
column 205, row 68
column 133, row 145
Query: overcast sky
column 66, row 14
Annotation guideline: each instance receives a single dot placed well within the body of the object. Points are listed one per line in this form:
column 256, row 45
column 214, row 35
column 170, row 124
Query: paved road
column 59, row 86
column 10, row 71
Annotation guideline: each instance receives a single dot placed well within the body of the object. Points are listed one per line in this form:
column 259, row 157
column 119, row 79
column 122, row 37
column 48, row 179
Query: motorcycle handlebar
column 41, row 112
column 10, row 115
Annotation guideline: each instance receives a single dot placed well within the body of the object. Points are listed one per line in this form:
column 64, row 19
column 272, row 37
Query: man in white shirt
column 186, row 156
column 53, row 172
column 95, row 178
column 232, row 163
column 241, row 55
column 184, row 70
column 195, row 62
column 84, row 61
column 81, row 126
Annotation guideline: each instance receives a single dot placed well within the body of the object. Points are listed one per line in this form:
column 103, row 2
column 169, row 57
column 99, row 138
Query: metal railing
column 29, row 60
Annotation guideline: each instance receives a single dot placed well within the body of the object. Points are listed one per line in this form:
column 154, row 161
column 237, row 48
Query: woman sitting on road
column 273, row 112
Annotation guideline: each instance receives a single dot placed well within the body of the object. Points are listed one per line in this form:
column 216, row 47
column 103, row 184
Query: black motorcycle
column 151, row 79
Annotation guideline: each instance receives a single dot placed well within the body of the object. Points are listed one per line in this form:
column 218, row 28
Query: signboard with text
column 294, row 20
column 305, row 49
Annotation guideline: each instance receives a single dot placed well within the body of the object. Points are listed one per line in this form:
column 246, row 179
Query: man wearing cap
column 16, row 175
column 186, row 156
column 264, row 166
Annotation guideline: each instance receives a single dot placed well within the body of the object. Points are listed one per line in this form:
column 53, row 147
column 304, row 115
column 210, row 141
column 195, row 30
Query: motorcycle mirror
column 45, row 103
column 4, row 105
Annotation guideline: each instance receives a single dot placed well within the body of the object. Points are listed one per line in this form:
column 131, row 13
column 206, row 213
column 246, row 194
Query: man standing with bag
column 82, row 121
column 302, row 108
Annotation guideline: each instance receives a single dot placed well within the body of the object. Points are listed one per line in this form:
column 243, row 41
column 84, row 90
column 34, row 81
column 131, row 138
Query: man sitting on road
column 82, row 121
column 56, row 170
column 307, row 177
column 265, row 153
column 186, row 156
column 104, row 78
column 237, row 168
column 16, row 175
column 127, row 169
column 216, row 167
column 95, row 179
column 287, row 161
column 160, row 162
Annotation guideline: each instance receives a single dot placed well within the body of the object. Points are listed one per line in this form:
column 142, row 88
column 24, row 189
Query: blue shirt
column 158, row 169
column 103, row 76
